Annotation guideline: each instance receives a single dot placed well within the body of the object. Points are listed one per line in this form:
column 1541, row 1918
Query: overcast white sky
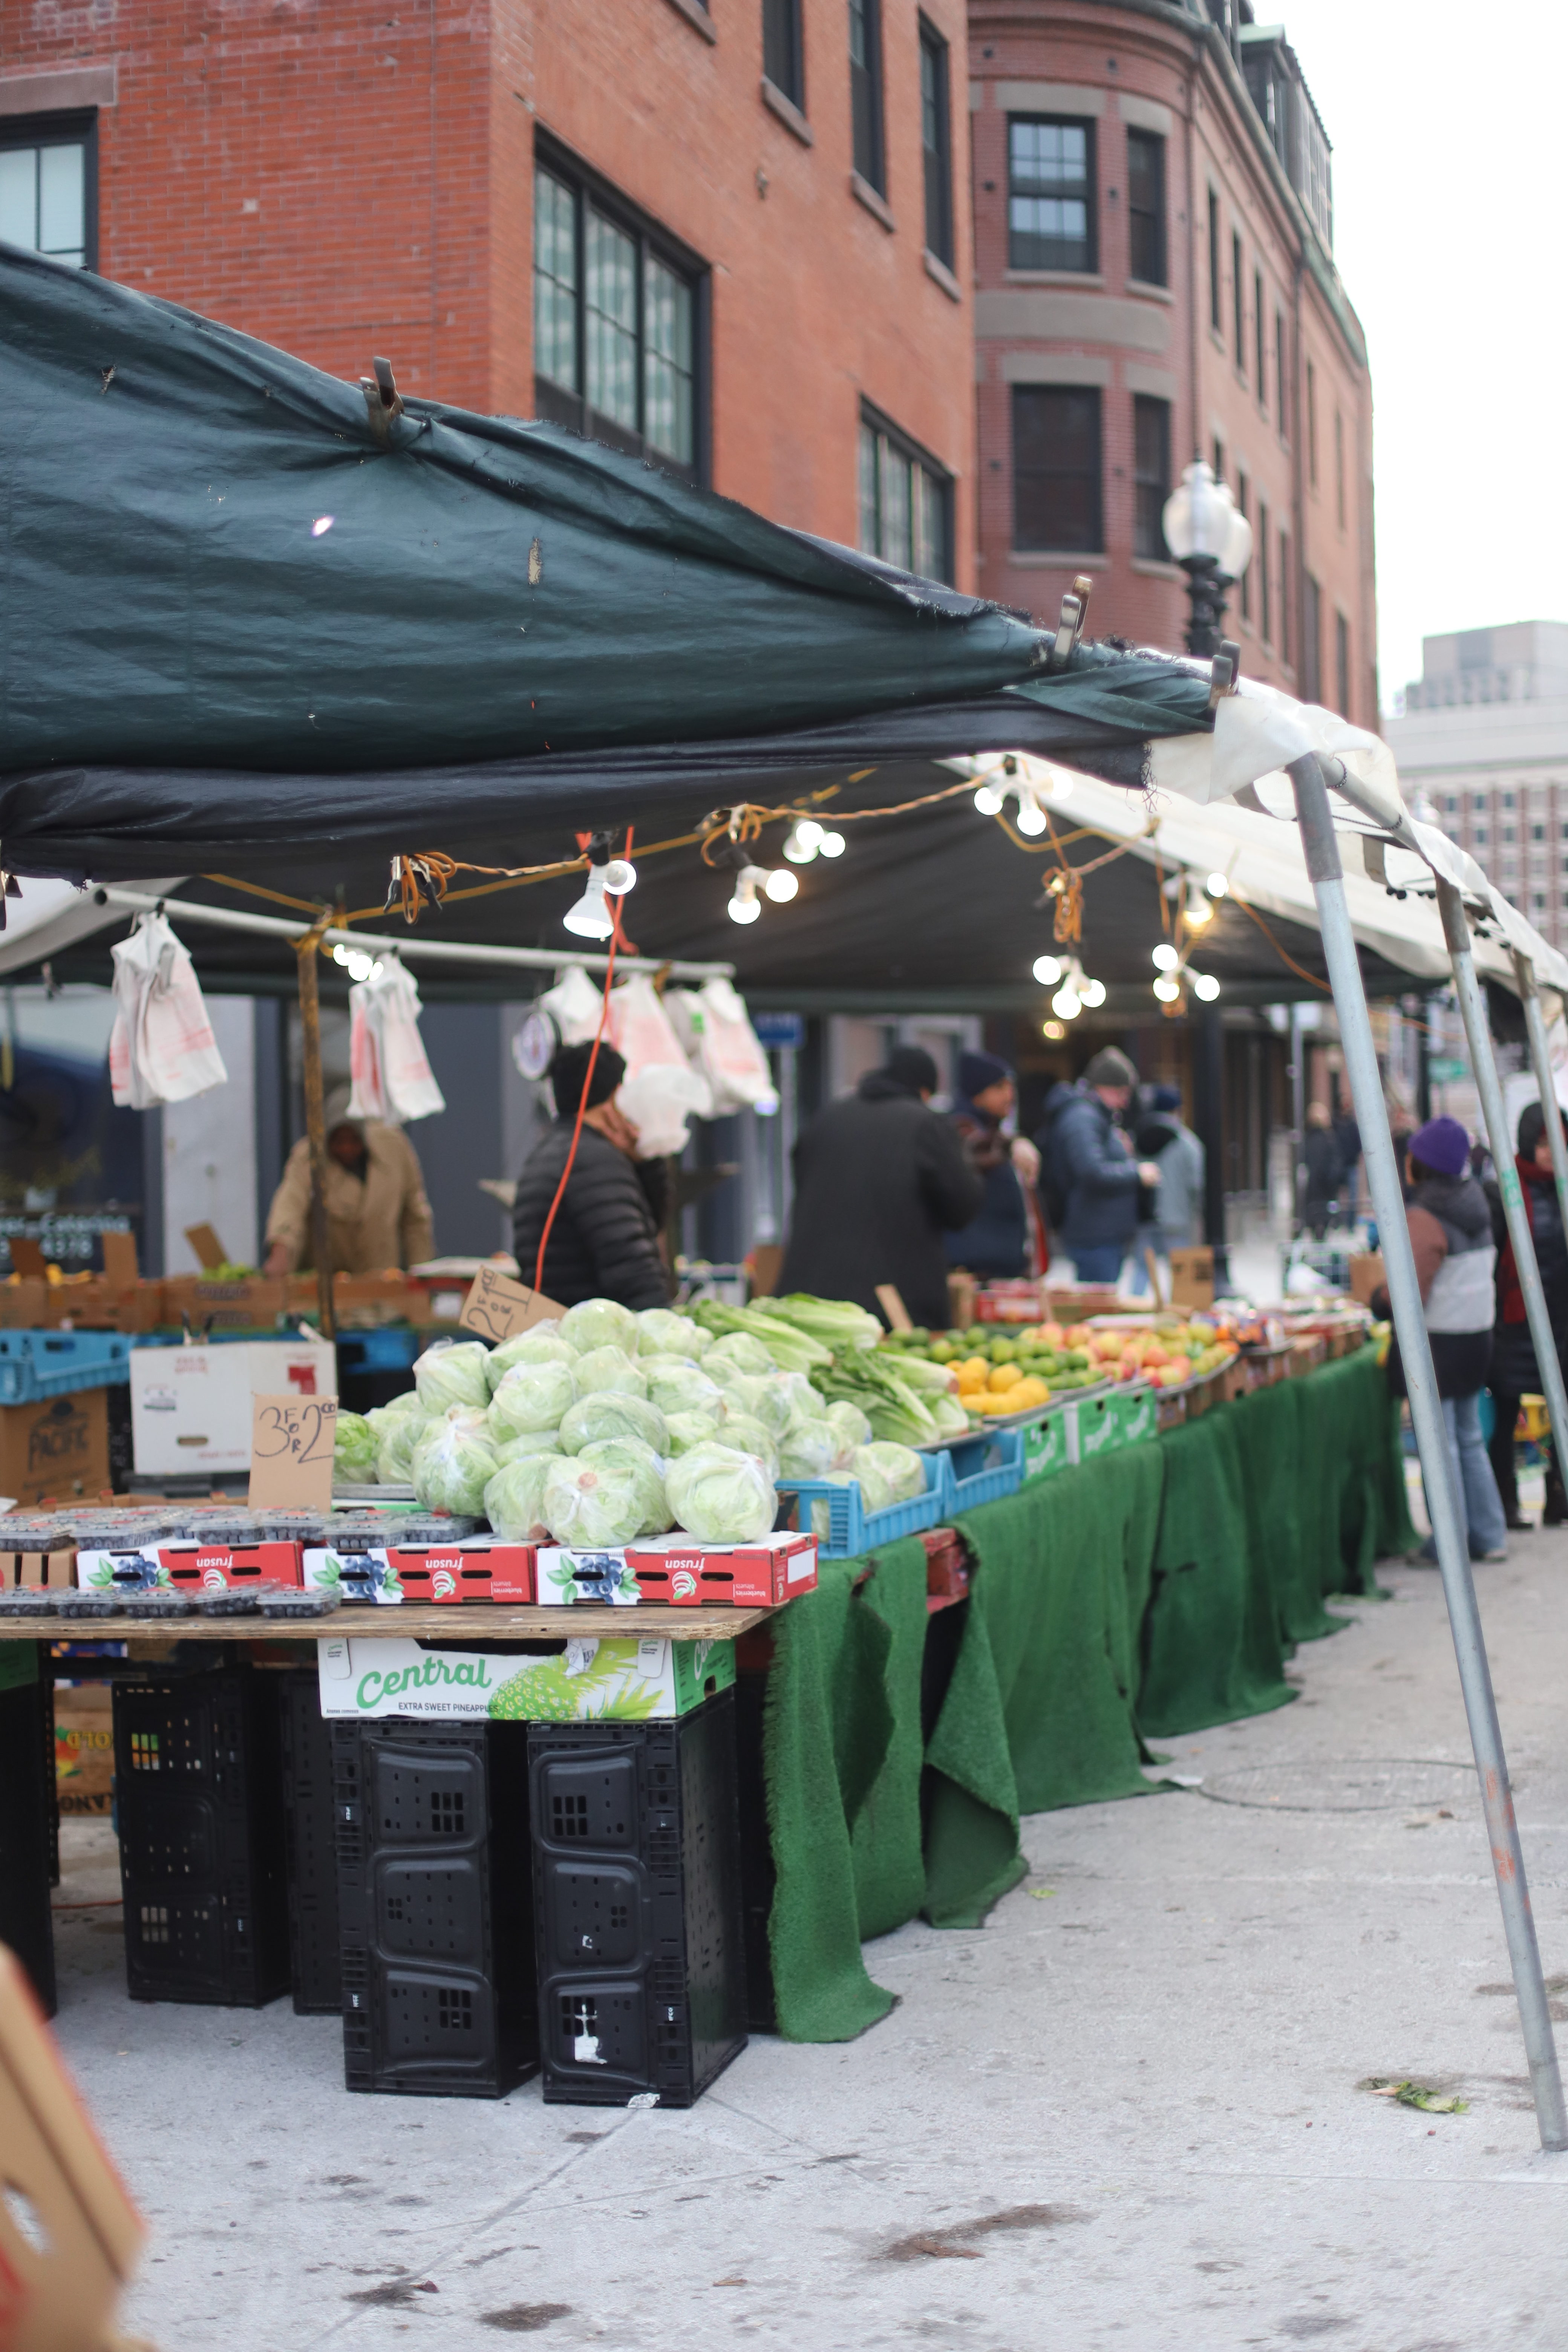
column 1450, row 214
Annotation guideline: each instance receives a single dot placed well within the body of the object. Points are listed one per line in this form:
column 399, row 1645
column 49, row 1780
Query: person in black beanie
column 604, row 1242
column 879, row 1178
column 997, row 1244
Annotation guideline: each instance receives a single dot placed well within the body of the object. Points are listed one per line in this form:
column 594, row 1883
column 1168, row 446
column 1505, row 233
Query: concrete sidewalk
column 1126, row 2114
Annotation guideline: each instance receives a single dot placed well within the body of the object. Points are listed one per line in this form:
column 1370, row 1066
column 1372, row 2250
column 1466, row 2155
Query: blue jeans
column 1101, row 1263
column 1472, row 1470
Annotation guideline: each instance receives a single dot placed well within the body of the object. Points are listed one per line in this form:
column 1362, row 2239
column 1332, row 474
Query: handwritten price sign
column 498, row 1308
column 291, row 1442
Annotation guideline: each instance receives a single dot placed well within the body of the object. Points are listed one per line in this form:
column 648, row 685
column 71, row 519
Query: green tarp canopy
column 240, row 620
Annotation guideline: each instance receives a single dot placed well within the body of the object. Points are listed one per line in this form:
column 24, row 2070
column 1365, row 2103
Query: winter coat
column 878, row 1179
column 1514, row 1369
column 995, row 1245
column 375, row 1222
column 1178, row 1200
column 1452, row 1240
column 604, row 1243
column 1320, row 1155
column 1091, row 1167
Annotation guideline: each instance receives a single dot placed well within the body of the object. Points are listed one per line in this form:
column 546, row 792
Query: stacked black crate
column 435, row 1917
column 642, row 1979
column 312, row 1859
column 26, row 1798
column 199, row 1794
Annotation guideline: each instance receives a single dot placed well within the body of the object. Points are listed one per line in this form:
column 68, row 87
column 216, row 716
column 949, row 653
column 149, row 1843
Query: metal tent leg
column 1323, row 865
column 1545, row 1077
column 1478, row 1033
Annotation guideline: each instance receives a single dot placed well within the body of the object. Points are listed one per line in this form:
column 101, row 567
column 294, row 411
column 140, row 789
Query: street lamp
column 1211, row 538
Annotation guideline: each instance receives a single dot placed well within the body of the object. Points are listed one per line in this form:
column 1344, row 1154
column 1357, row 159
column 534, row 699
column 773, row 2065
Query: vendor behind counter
column 377, row 1214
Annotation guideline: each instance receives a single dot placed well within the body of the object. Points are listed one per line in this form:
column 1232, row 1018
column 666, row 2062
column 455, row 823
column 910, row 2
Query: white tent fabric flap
column 161, row 1048
column 393, row 1080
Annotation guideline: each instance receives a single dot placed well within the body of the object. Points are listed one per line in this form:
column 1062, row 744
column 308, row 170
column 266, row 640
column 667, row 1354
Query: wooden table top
column 458, row 1623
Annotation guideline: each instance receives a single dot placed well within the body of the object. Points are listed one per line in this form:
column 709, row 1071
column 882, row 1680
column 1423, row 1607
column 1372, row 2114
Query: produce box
column 477, row 1568
column 241, row 1302
column 211, row 1566
column 84, row 1749
column 25, row 1304
column 1123, row 1415
column 586, row 1681
column 1050, row 1440
column 677, row 1570
column 1009, row 1302
column 190, row 1407
column 49, row 1568
column 56, row 1447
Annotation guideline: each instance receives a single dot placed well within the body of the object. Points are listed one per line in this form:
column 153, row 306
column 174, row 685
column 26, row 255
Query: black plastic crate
column 199, row 1797
column 434, row 1912
column 312, row 1857
column 642, row 1971
column 27, row 1779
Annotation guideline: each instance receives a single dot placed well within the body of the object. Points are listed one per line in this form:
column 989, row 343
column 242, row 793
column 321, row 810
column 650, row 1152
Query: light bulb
column 1217, row 885
column 781, row 886
column 803, row 840
column 744, row 907
column 1200, row 910
column 1048, row 971
column 1066, row 1003
column 360, row 967
column 342, row 952
column 590, row 917
column 620, row 875
column 1092, row 992
column 1165, row 957
column 1053, row 1029
column 1031, row 815
column 1206, row 985
column 831, row 845
column 988, row 800
column 1166, row 989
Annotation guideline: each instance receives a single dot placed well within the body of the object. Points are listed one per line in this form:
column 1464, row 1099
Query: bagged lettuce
column 380, row 1416
column 689, row 1428
column 776, row 1404
column 528, row 1445
column 742, row 1391
column 530, row 1397
column 808, row 1451
column 453, row 1463
column 609, row 1413
column 394, row 1453
column 631, row 1454
column 594, row 1504
column 747, row 1355
column 850, row 1427
column 721, row 1496
column 542, row 1344
column 742, row 1430
column 677, row 1387
column 514, row 1499
column 896, row 1472
column 948, row 1415
column 600, row 1323
column 354, row 1449
column 609, row 1368
column 662, row 1332
column 806, row 1403
column 453, row 1372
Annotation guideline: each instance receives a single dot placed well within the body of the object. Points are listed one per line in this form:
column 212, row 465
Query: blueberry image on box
column 601, row 1576
column 128, row 1571
column 359, row 1576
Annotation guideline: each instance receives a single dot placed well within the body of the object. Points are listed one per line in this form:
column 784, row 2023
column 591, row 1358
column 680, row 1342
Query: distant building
column 1484, row 735
column 1155, row 281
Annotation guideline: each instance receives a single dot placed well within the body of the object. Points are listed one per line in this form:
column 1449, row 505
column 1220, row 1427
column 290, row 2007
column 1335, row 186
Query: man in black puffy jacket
column 604, row 1242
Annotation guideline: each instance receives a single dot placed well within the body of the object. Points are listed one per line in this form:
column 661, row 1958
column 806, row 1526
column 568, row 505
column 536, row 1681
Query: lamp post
column 1211, row 538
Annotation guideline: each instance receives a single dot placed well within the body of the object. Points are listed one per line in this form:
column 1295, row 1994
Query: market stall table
column 479, row 1621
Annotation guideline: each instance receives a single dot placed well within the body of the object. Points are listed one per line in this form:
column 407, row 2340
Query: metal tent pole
column 1545, row 1077
column 316, row 1127
column 1327, row 875
column 1478, row 1034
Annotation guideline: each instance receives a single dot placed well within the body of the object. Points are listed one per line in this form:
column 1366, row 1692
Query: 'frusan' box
column 584, row 1682
column 679, row 1571
column 188, row 1565
column 479, row 1567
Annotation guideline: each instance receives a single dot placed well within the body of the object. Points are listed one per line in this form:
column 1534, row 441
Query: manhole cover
column 1362, row 1785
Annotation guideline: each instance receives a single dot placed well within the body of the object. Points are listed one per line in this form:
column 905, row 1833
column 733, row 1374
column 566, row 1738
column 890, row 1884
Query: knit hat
column 335, row 1111
column 978, row 1071
column 1164, row 1099
column 1443, row 1145
column 569, row 1073
column 1110, row 1068
column 911, row 1067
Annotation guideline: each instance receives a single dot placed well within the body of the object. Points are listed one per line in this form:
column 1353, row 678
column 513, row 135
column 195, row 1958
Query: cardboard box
column 37, row 1568
column 190, row 1407
column 25, row 1306
column 84, row 1749
column 1367, row 1273
column 1050, row 1443
column 248, row 1302
column 588, row 1681
column 1122, row 1416
column 688, row 1574
column 479, row 1567
column 58, row 1446
column 1191, row 1278
column 207, row 1568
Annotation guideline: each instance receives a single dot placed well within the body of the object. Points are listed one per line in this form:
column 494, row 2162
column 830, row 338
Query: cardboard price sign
column 498, row 1308
column 291, row 1442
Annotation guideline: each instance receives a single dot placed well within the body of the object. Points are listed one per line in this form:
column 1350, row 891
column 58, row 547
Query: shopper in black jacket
column 1515, row 1372
column 604, row 1243
column 879, row 1178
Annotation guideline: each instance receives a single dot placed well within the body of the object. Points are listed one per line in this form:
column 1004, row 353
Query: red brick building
column 1155, row 281
column 736, row 237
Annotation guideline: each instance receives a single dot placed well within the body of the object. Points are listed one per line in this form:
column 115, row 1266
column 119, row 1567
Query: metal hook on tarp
column 1075, row 609
column 382, row 399
column 1223, row 672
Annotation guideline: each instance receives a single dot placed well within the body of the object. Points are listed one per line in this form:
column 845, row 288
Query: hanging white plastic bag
column 639, row 1028
column 392, row 1075
column 161, row 1048
column 729, row 1054
column 573, row 1005
column 661, row 1102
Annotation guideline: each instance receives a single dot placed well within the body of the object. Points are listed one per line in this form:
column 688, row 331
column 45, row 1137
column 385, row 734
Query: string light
column 1217, row 885
column 989, row 800
column 620, row 875
column 1066, row 1003
column 1048, row 971
column 1092, row 992
column 1053, row 1029
column 1199, row 909
column 1165, row 957
column 1031, row 815
column 590, row 918
column 1166, row 989
column 803, row 841
column 781, row 886
column 831, row 845
column 1205, row 986
column 744, row 907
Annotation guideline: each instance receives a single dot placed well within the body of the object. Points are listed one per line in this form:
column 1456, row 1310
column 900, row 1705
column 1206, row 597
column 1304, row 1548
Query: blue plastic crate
column 388, row 1349
column 35, row 1364
column 981, row 1469
column 851, row 1527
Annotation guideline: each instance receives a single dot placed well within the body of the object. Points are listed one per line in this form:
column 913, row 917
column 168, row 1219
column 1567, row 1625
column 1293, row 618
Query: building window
column 1281, row 373
column 1057, row 469
column 616, row 323
column 1238, row 306
column 1311, row 424
column 1259, row 338
column 784, row 60
column 1214, row 312
column 936, row 144
column 906, row 501
column 1243, row 497
column 1311, row 639
column 1284, row 597
column 47, row 186
column 1146, row 206
column 865, row 91
column 1343, row 664
column 1050, row 195
column 1340, row 466
column 1217, row 459
column 1150, row 474
column 1264, row 614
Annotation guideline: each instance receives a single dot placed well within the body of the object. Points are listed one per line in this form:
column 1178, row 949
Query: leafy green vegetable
column 542, row 1344
column 629, row 1453
column 721, row 1496
column 795, row 1349
column 744, row 1431
column 850, row 1428
column 743, row 1350
column 528, row 1442
column 892, row 1408
column 354, row 1449
column 677, row 1387
column 689, row 1428
column 452, row 1463
column 514, row 1497
column 836, row 1324
column 600, row 1323
column 610, row 1368
column 897, row 1471
column 662, row 1332
column 532, row 1397
column 394, row 1455
column 453, row 1372
column 608, row 1413
column 594, row 1504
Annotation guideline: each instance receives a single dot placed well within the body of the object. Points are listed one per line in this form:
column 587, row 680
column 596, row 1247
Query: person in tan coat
column 377, row 1215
